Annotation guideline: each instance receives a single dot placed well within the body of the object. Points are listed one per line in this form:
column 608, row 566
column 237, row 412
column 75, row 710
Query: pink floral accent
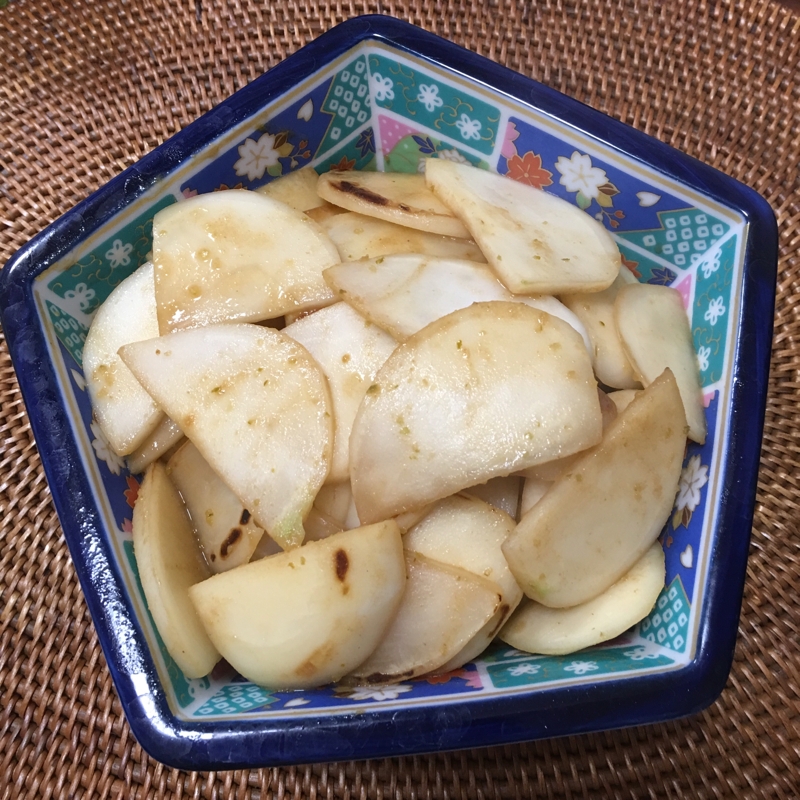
column 392, row 132
column 187, row 193
column 684, row 288
column 512, row 134
column 127, row 525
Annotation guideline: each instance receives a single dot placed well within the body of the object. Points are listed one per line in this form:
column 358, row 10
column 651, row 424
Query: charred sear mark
column 230, row 541
column 360, row 192
column 342, row 562
column 245, row 518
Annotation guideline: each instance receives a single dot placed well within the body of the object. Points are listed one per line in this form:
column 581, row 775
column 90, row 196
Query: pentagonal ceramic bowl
column 375, row 93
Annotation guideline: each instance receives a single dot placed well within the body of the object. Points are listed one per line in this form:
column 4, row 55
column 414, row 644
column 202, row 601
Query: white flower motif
column 716, row 308
column 452, row 155
column 104, row 451
column 703, row 354
column 639, row 654
column 421, row 165
column 712, row 265
column 469, row 128
column 256, row 156
column 524, row 669
column 389, row 692
column 382, row 87
column 694, row 477
column 82, row 294
column 80, row 381
column 578, row 175
column 581, row 667
column 429, row 96
column 119, row 254
column 298, row 701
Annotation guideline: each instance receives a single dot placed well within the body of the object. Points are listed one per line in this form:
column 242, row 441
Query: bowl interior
column 379, row 107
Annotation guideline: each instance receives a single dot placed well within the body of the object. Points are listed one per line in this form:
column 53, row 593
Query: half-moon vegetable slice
column 308, row 617
column 556, row 631
column 394, row 197
column 536, row 242
column 237, row 256
column 124, row 410
column 483, row 392
column 257, row 407
column 601, row 516
column 169, row 562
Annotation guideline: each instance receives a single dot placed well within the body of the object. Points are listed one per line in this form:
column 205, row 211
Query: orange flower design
column 344, row 164
column 528, row 169
column 132, row 492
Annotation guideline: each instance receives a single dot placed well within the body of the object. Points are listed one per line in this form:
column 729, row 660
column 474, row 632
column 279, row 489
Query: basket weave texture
column 87, row 88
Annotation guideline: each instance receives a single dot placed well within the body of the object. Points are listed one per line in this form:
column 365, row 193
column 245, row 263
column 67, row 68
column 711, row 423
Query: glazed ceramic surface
column 376, row 94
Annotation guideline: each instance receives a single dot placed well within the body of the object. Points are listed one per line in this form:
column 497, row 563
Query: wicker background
column 87, row 88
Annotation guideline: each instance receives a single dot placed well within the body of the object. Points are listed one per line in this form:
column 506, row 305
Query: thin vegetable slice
column 603, row 514
column 237, row 256
column 535, row 628
column 257, row 407
column 399, row 198
column 536, row 242
column 483, row 392
column 169, row 562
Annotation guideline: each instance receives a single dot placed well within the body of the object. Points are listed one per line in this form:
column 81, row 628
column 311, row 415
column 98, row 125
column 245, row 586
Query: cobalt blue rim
column 541, row 713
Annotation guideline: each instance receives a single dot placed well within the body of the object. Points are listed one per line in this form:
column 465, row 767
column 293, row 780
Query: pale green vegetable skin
column 535, row 628
column 485, row 391
column 307, row 617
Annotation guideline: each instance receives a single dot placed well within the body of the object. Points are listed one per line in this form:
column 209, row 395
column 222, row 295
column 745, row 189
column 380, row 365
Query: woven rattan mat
column 87, row 88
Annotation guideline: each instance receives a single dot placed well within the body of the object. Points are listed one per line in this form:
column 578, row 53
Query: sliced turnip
column 535, row 628
column 442, row 610
column 308, row 617
column 483, row 392
column 257, row 407
column 357, row 236
column 297, row 189
column 399, row 198
column 404, row 293
column 169, row 562
column 350, row 350
column 536, row 242
column 226, row 530
column 237, row 256
column 125, row 412
column 655, row 332
column 467, row 533
column 596, row 311
column 603, row 514
column 502, row 493
column 166, row 436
